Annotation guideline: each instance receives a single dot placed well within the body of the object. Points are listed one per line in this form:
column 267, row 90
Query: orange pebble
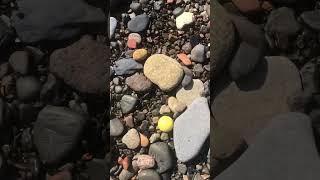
column 144, row 140
column 125, row 163
column 132, row 43
column 185, row 59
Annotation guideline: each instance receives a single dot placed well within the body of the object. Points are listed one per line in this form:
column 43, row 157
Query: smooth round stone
column 198, row 53
column 139, row 83
column 131, row 139
column 20, row 62
column 175, row 105
column 28, row 88
column 116, row 127
column 163, row 71
column 191, row 92
column 56, row 132
column 311, row 18
column 177, row 11
column 128, row 103
column 126, row 67
column 184, row 19
column 139, row 23
column 136, row 37
column 163, row 156
column 140, row 54
column 145, row 161
column 135, row 6
column 148, row 174
column 113, row 25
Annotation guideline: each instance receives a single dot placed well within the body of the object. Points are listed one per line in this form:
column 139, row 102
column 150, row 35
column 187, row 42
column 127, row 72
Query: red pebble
column 132, row 43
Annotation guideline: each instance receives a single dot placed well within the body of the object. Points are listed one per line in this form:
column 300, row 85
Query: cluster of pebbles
column 159, row 87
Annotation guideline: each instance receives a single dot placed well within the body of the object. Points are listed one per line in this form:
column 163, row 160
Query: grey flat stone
column 138, row 23
column 191, row 129
column 284, row 150
column 127, row 67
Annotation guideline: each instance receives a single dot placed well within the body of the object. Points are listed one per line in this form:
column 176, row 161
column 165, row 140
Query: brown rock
column 138, row 82
column 129, row 121
column 247, row 6
column 82, row 65
column 241, row 109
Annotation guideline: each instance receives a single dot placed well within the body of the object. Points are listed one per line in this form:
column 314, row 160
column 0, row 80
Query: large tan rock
column 243, row 108
column 163, row 71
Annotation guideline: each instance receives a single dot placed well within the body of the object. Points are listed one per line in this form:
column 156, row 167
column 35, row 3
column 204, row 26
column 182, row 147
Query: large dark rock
column 284, row 150
column 83, row 65
column 38, row 20
column 222, row 39
column 251, row 48
column 242, row 108
column 56, row 131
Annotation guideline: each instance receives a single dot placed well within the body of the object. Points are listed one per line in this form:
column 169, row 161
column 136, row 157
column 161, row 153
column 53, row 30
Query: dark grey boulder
column 222, row 39
column 250, row 50
column 38, row 20
column 284, row 150
column 56, row 131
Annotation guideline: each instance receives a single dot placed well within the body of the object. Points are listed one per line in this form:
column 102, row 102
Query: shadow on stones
column 256, row 79
column 224, row 163
column 253, row 81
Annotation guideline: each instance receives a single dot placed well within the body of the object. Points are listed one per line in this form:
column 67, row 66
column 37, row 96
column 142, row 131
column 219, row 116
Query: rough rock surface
column 83, row 65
